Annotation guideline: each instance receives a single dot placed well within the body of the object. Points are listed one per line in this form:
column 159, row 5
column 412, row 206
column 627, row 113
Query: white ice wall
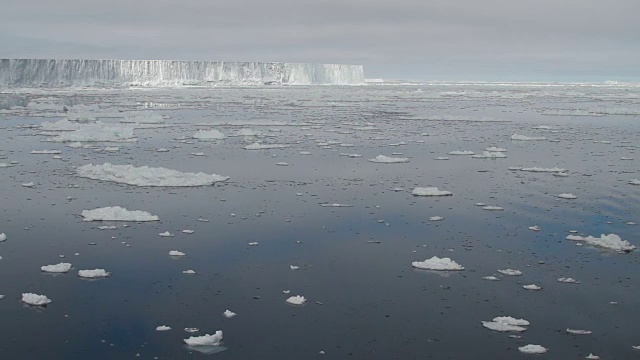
column 167, row 73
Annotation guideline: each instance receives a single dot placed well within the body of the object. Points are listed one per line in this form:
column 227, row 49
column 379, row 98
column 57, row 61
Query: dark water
column 365, row 301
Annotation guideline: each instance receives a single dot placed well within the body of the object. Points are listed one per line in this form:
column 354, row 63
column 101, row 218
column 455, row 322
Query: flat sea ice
column 58, row 268
column 35, row 299
column 163, row 328
column 534, row 228
column 205, row 340
column 93, row 274
column 146, row 176
column 492, row 208
column 519, row 137
column 634, row 182
column 430, row 191
column 567, row 196
column 539, row 169
column 436, row 218
column 578, row 332
column 209, row 135
column 52, row 152
column 296, row 300
column 531, row 287
column 165, row 234
column 506, row 324
column 436, row 263
column 176, row 253
column 532, row 349
column 258, row 146
column 189, row 272
column 510, row 272
column 117, row 213
column 388, row 160
column 568, row 280
column 461, row 152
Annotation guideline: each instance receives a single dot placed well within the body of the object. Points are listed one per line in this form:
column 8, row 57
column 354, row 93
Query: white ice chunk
column 634, row 182
column 578, row 332
column 539, row 169
column 176, row 253
column 611, row 241
column 117, row 213
column 534, row 228
column 296, row 300
column 388, row 160
column 495, row 149
column 430, row 191
column 567, row 196
column 165, row 234
column 593, row 357
column 436, row 218
column 29, row 184
column 510, row 272
column 491, row 278
column 45, row 152
column 229, row 314
column 568, row 280
column 163, row 328
column 259, row 146
column 519, row 137
column 209, row 135
column 3, row 237
column 146, row 176
column 436, row 263
column 92, row 274
column 189, row 272
column 532, row 349
column 97, row 132
column 502, row 326
column 492, row 208
column 35, row 299
column 335, row 205
column 461, row 152
column 205, row 340
column 58, row 268
column 531, row 287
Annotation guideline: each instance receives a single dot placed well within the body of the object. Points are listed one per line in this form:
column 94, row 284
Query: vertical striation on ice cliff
column 169, row 73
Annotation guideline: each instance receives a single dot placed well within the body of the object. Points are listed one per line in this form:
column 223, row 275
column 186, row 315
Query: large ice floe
column 388, row 159
column 634, row 182
column 93, row 274
column 205, row 340
column 505, row 324
column 532, row 349
column 436, row 263
column 117, row 213
column 209, row 135
column 57, row 268
column 611, row 241
column 97, row 132
column 146, row 176
column 430, row 191
column 35, row 299
column 519, row 137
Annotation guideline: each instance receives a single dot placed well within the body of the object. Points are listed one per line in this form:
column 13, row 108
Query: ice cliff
column 167, row 73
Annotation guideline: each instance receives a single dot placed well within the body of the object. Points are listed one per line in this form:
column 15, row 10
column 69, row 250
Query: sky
column 491, row 40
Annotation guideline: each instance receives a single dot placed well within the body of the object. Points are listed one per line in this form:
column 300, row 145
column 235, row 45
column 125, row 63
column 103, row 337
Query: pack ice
column 117, row 213
column 146, row 176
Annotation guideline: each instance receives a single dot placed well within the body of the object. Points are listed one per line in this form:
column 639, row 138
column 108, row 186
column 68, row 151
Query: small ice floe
column 506, row 324
column 480, row 204
column 176, row 253
column 294, row 267
column 491, row 278
column 57, row 268
column 567, row 196
column 441, row 158
column 286, row 291
column 198, row 154
column 436, row 263
column 189, row 272
column 460, row 152
column 5, row 165
column 510, row 272
column 259, row 146
column 29, row 184
column 568, row 280
column 282, row 163
column 636, row 347
column 46, row 152
column 531, row 287
column 205, row 340
column 107, row 227
column 353, row 156
column 490, row 155
column 229, row 314
column 495, row 149
column 593, row 357
column 187, row 231
column 611, row 241
column 634, row 182
column 203, row 220
column 35, row 299
column 304, row 153
column 254, row 243
column 545, row 170
column 533, row 349
column 93, row 274
column 296, row 300
column 111, row 149
column 162, row 150
column 389, row 160
column 436, row 218
column 146, row 176
column 534, row 228
column 3, row 237
column 165, row 234
column 191, row 330
column 57, row 157
column 209, row 135
column 430, row 191
column 335, row 205
column 117, row 213
column 578, row 332
column 492, row 208
column 163, row 328
column 519, row 137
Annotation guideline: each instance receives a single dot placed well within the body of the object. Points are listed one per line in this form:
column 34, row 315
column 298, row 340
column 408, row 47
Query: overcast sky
column 409, row 39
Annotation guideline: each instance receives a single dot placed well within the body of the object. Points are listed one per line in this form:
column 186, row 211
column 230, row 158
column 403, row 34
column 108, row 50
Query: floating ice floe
column 254, row 243
column 441, row 158
column 117, row 213
column 533, row 349
column 188, row 232
column 460, row 152
column 492, row 208
column 388, row 160
column 495, row 149
column 259, row 146
column 191, row 330
column 29, row 184
column 46, row 152
column 294, row 267
column 146, row 176
column 592, row 357
column 229, row 314
column 539, row 169
column 430, row 191
column 634, row 182
column 58, row 268
column 436, row 263
column 296, row 300
column 510, row 272
column 209, row 135
column 162, row 150
column 578, row 332
column 531, row 287
column 534, row 228
column 205, row 340
column 176, row 253
column 107, row 227
column 3, row 237
column 506, row 324
column 568, row 280
column 165, row 234
column 335, row 205
column 436, row 218
column 353, row 156
column 519, row 137
column 490, row 155
column 611, row 241
column 636, row 347
column 282, row 163
column 35, row 299
column 97, row 132
column 5, row 165
column 189, row 272
column 93, row 274
column 163, row 328
column 567, row 196
column 491, row 278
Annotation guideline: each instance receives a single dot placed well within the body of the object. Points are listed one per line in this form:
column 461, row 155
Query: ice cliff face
column 168, row 73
